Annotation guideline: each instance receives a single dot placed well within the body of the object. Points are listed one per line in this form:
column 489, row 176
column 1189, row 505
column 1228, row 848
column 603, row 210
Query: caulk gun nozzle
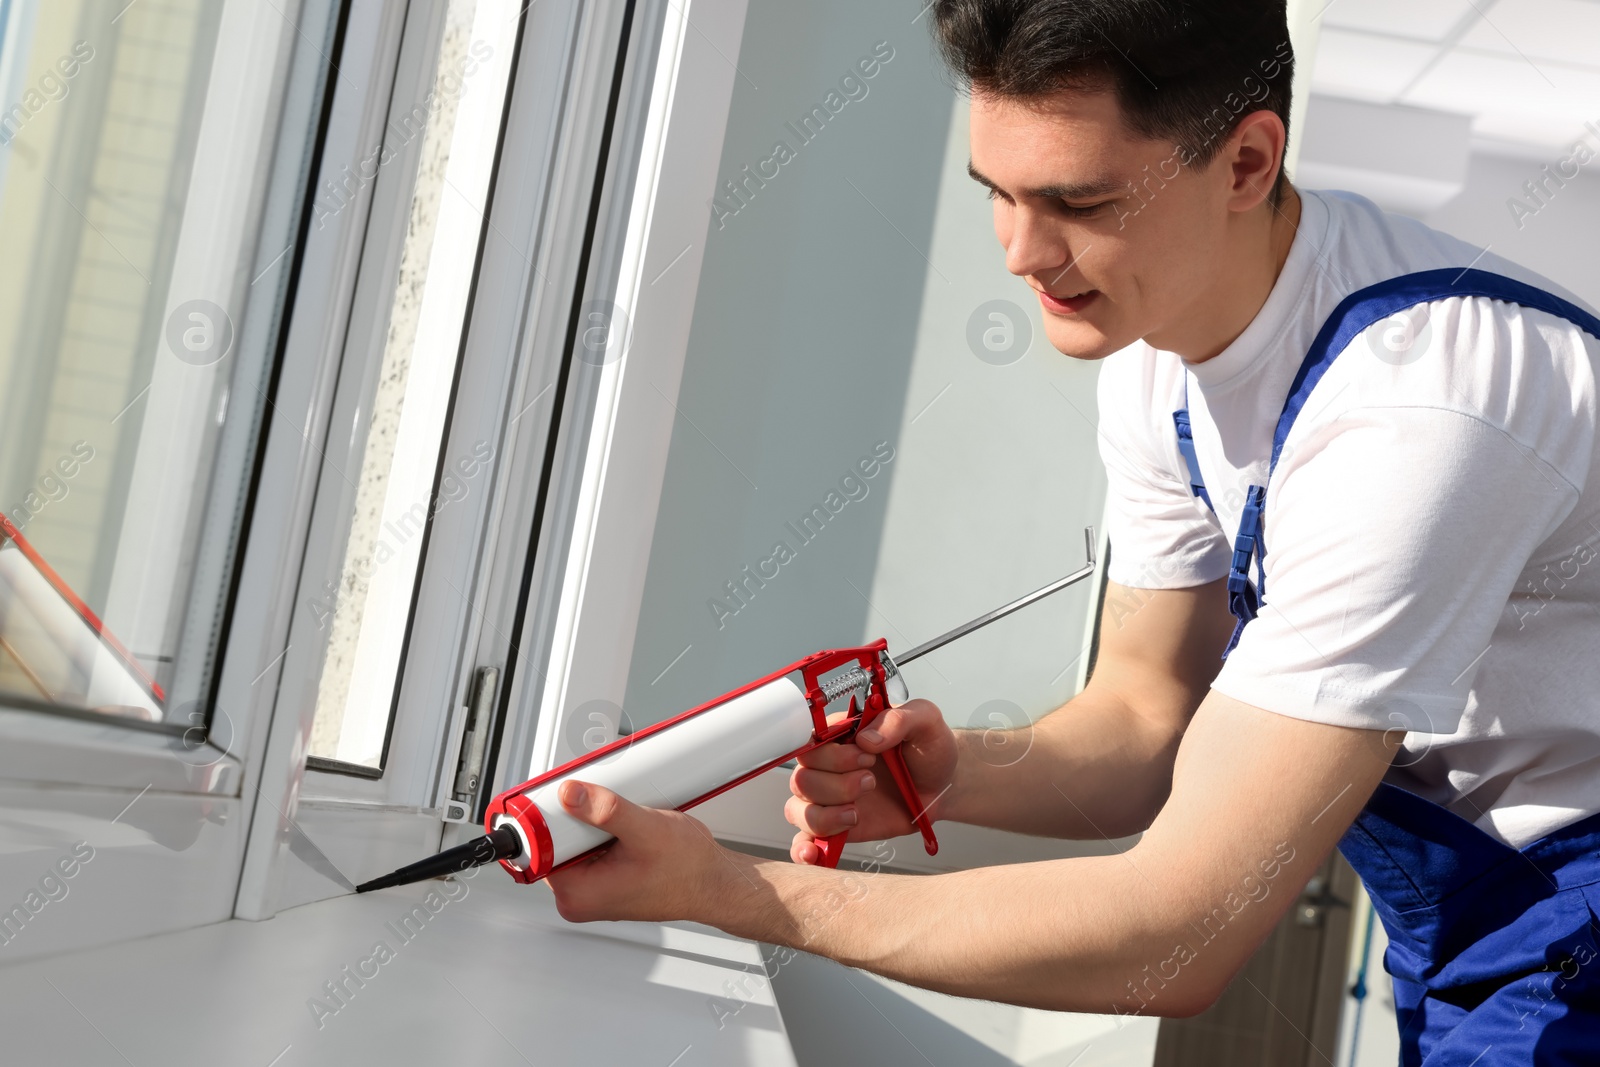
column 496, row 845
column 380, row 883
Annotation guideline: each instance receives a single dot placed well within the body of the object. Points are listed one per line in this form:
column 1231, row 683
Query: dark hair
column 1184, row 70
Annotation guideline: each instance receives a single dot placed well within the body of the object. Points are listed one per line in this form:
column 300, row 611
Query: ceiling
column 1527, row 71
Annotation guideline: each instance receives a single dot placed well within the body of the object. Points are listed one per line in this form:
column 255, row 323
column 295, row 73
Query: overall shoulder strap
column 1355, row 314
column 1191, row 459
column 1362, row 310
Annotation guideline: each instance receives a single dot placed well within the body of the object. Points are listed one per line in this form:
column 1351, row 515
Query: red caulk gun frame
column 870, row 675
column 868, row 664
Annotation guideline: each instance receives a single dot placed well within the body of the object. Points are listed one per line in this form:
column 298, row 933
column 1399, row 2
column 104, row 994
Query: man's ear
column 1254, row 156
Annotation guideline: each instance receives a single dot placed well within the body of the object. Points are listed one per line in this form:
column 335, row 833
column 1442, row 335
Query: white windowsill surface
column 497, row 976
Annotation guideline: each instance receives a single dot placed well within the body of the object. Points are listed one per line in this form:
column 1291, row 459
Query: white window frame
column 610, row 461
column 476, row 553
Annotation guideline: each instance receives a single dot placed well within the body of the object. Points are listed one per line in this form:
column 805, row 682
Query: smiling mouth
column 1067, row 305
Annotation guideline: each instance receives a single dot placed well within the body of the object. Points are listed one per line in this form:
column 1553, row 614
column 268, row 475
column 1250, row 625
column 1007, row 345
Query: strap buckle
column 1245, row 597
column 1180, row 420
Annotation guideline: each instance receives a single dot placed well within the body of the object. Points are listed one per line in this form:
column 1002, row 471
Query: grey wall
column 835, row 1015
column 997, row 478
column 1558, row 241
column 833, row 316
column 798, row 359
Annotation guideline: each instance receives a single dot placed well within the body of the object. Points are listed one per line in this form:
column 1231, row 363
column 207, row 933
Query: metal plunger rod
column 499, row 844
column 999, row 613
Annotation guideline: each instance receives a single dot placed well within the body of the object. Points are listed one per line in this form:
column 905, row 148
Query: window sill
column 58, row 749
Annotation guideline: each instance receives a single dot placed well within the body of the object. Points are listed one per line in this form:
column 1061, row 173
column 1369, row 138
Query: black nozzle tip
column 496, row 845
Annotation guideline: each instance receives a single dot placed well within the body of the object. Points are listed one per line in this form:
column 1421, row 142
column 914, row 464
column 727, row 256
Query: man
column 1349, row 453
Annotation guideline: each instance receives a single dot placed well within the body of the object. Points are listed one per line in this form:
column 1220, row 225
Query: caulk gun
column 692, row 757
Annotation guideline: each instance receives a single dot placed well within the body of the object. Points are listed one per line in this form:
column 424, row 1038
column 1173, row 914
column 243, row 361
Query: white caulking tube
column 707, row 750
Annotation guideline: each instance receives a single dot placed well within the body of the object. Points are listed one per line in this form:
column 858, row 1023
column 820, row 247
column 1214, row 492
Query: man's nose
column 1036, row 248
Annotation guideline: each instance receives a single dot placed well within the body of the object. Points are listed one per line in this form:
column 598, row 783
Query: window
column 392, row 497
column 132, row 142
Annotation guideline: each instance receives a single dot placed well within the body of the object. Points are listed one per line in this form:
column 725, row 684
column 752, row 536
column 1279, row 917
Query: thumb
column 895, row 725
column 597, row 806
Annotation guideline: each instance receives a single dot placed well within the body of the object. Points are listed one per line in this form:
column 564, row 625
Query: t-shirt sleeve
column 1395, row 537
column 1162, row 536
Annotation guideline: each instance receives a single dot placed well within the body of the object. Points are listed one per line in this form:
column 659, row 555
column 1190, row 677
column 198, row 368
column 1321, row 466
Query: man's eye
column 1087, row 212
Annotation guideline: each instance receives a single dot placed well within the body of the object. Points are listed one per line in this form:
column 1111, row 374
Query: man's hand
column 663, row 865
column 842, row 787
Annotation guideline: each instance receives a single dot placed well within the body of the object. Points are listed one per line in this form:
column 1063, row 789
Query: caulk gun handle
column 831, row 849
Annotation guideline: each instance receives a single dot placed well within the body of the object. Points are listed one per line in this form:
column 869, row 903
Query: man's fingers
column 886, row 731
column 803, row 849
column 597, row 806
column 818, row 820
column 837, row 758
column 895, row 725
column 824, row 787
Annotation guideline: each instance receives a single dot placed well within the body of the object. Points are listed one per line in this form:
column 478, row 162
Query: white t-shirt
column 1432, row 528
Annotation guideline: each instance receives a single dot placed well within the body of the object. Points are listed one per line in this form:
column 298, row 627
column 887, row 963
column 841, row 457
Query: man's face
column 1120, row 236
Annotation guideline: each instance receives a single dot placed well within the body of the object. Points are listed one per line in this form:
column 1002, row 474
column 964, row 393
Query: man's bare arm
column 1258, row 800
column 1101, row 765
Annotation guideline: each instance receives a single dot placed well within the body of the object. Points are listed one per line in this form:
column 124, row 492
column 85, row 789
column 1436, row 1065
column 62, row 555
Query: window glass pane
column 394, row 496
column 132, row 147
column 875, row 439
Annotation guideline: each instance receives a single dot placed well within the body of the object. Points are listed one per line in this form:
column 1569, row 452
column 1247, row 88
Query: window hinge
column 469, row 771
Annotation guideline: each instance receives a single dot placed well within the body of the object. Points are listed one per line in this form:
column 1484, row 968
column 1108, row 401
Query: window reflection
column 130, row 181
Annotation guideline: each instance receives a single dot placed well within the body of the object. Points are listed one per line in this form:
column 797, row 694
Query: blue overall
column 1494, row 951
